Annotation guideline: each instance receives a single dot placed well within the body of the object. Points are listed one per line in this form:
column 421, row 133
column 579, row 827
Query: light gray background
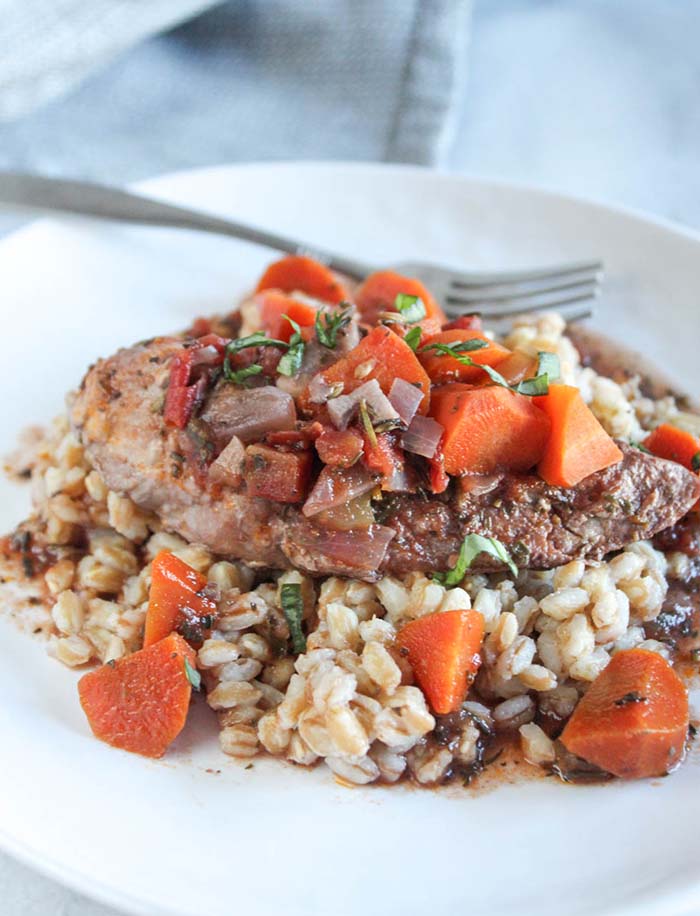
column 594, row 97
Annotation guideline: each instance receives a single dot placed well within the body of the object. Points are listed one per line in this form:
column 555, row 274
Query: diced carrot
column 175, row 597
column 298, row 273
column 274, row 305
column 518, row 366
column 339, row 448
column 379, row 291
column 633, row 720
column 487, row 429
column 139, row 703
column 384, row 356
column 280, row 476
column 578, row 445
column 441, row 367
column 668, row 441
column 443, row 652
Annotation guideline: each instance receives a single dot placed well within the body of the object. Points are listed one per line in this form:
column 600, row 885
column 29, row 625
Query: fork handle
column 84, row 198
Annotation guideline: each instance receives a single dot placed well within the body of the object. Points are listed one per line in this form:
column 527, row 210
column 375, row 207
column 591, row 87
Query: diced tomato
column 465, row 323
column 282, row 477
column 339, row 448
column 180, row 396
column 301, row 438
column 439, row 478
column 383, row 458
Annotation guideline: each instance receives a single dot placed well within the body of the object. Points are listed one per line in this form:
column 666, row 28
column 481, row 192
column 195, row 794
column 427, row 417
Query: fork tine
column 515, row 294
column 546, row 302
column 467, row 281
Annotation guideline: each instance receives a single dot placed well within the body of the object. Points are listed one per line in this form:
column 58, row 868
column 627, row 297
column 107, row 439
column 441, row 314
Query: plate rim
column 680, row 899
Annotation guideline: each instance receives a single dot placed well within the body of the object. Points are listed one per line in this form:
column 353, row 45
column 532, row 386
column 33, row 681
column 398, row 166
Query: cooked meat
column 118, row 418
column 546, row 526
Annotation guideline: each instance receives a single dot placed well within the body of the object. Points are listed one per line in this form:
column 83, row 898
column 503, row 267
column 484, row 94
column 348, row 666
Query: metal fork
column 567, row 287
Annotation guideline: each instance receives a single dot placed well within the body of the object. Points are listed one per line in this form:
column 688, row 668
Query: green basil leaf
column 413, row 337
column 411, row 308
column 457, row 347
column 534, row 387
column 193, row 676
column 290, row 363
column 472, row 546
column 548, row 364
column 695, row 462
column 239, row 376
column 293, row 610
column 641, row 447
column 329, row 323
column 258, row 339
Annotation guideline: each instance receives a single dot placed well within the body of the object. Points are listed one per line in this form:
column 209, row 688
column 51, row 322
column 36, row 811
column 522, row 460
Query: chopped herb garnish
column 456, row 347
column 534, row 387
column 367, row 423
column 472, row 546
column 411, row 308
column 695, row 462
column 239, row 376
column 328, row 324
column 258, row 339
column 290, row 363
column 631, row 697
column 193, row 676
column 641, row 447
column 293, row 609
column 548, row 364
column 413, row 337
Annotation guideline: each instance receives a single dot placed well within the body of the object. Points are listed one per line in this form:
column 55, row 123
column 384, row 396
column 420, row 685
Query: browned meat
column 546, row 526
column 117, row 415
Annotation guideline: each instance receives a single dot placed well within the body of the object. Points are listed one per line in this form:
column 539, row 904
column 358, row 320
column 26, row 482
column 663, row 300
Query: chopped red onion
column 229, row 465
column 357, row 551
column 405, row 399
column 205, row 356
column 342, row 409
column 248, row 413
column 478, row 484
column 423, row 436
column 320, row 390
column 337, row 486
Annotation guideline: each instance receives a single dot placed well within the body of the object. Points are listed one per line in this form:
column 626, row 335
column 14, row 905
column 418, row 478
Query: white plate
column 170, row 837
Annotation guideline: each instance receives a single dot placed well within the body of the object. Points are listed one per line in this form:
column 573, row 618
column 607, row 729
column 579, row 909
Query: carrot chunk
column 633, row 720
column 298, row 273
column 274, row 305
column 443, row 651
column 667, row 441
column 578, row 445
column 379, row 291
column 441, row 367
column 488, row 428
column 175, row 597
column 384, row 356
column 139, row 703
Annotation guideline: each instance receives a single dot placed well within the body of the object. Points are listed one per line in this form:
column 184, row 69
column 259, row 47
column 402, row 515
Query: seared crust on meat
column 547, row 526
column 117, row 415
